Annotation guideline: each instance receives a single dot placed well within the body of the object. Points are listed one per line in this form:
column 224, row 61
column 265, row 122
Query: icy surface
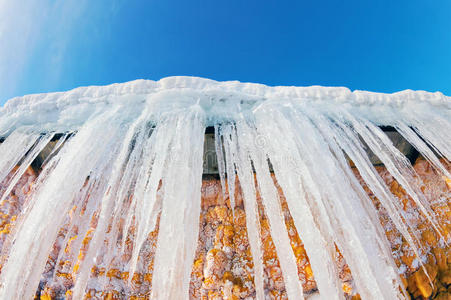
column 134, row 163
column 221, row 100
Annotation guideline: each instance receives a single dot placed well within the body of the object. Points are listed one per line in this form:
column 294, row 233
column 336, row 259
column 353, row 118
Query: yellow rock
column 308, row 272
column 198, row 266
column 67, row 249
column 422, row 283
column 347, row 288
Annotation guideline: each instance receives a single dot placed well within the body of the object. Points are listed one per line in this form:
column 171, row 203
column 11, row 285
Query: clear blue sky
column 383, row 46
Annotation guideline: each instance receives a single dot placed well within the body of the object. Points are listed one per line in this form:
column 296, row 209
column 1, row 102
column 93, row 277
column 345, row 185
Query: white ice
column 131, row 160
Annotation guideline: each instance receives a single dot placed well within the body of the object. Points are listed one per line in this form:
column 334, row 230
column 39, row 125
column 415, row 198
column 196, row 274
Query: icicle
column 132, row 154
column 56, row 148
column 14, row 148
column 176, row 245
column 112, row 195
column 343, row 209
column 270, row 199
column 32, row 153
column 37, row 232
column 246, row 178
column 227, row 136
column 147, row 186
column 220, row 157
column 396, row 163
column 433, row 127
column 286, row 162
column 416, row 141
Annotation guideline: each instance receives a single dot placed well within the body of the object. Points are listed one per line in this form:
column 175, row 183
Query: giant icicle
column 130, row 161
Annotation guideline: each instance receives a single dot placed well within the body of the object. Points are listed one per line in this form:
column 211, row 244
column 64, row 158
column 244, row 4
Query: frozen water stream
column 135, row 162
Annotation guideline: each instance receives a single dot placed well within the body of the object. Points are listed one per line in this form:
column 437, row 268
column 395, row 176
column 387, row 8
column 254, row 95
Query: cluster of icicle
column 132, row 154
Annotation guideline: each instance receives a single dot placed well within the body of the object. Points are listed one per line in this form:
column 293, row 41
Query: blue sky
column 382, row 46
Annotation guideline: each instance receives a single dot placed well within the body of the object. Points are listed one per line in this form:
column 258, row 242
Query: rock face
column 223, row 267
column 13, row 203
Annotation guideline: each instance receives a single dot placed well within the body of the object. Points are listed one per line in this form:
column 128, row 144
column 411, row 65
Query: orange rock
column 240, row 217
column 214, row 295
column 227, row 240
column 137, row 279
column 443, row 296
column 114, row 273
column 440, row 258
column 308, row 272
column 198, row 266
column 422, row 283
column 445, row 276
column 211, row 282
column 148, row 278
column 227, row 276
column 278, row 295
column 68, row 249
column 347, row 288
column 408, row 258
column 275, row 273
column 65, row 275
column 226, row 271
column 124, row 276
column 216, row 261
column 222, row 213
column 429, row 237
column 403, row 280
